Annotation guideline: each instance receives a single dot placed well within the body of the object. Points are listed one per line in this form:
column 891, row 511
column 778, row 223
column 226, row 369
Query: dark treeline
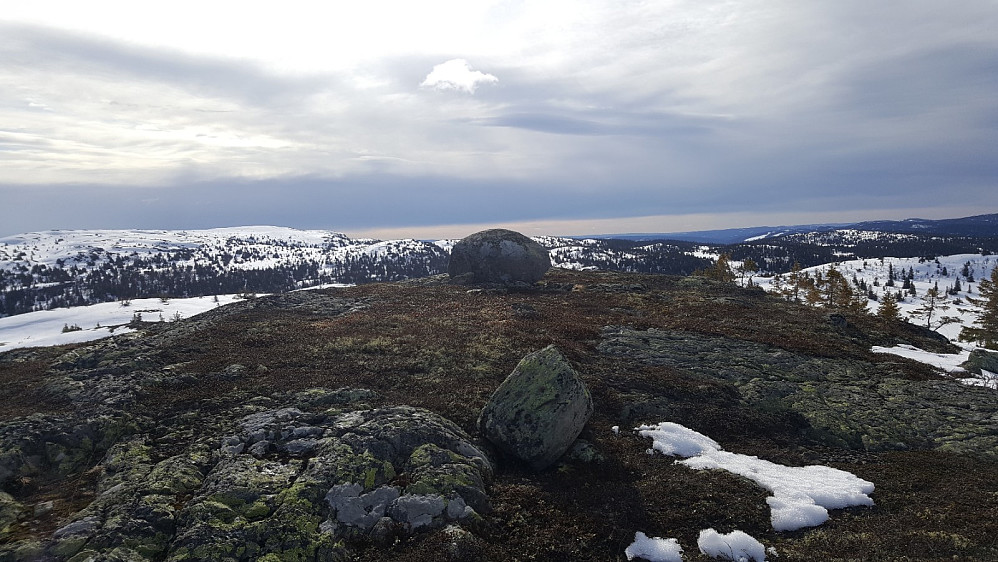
column 42, row 287
column 670, row 258
column 779, row 255
column 99, row 276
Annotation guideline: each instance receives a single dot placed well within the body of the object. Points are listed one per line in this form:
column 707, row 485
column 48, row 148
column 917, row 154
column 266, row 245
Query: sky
column 439, row 118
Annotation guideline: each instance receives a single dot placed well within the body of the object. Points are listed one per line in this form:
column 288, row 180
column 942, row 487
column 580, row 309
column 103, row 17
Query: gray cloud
column 840, row 106
column 56, row 51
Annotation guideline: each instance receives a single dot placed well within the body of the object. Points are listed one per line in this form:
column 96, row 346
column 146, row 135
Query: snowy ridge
column 88, row 323
column 58, row 268
column 956, row 277
column 849, row 237
column 949, row 273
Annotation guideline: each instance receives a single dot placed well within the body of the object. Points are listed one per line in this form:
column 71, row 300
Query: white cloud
column 456, row 74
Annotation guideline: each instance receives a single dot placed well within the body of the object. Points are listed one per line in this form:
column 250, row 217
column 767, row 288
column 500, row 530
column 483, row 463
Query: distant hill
column 66, row 268
column 978, row 226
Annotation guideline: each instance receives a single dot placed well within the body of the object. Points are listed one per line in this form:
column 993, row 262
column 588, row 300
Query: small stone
column 259, row 449
column 42, row 508
column 353, row 508
column 385, row 532
column 461, row 545
column 584, row 452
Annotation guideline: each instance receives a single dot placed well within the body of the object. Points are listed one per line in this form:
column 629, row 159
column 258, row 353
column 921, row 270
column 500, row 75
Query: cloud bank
column 603, row 111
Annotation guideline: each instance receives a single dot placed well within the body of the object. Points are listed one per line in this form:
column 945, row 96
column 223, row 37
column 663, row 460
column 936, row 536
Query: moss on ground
column 446, row 349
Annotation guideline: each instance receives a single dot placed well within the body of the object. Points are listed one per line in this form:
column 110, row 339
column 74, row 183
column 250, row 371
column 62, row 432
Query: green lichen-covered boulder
column 539, row 410
column 10, row 510
column 981, row 360
column 498, row 256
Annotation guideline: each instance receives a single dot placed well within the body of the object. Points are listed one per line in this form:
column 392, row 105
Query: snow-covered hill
column 87, row 323
column 956, row 277
column 59, row 268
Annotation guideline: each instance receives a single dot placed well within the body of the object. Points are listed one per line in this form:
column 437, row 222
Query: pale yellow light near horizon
column 663, row 223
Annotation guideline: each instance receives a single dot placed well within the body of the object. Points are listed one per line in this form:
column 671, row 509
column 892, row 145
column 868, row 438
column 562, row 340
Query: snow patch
column 948, row 362
column 801, row 497
column 675, row 440
column 736, row 545
column 654, row 549
column 987, row 379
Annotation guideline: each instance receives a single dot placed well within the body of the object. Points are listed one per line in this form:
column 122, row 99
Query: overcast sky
column 429, row 118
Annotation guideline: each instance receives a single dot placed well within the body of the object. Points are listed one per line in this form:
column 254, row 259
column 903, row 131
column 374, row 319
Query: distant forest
column 178, row 273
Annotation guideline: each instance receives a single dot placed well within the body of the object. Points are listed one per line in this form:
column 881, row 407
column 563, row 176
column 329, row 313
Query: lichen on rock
column 539, row 410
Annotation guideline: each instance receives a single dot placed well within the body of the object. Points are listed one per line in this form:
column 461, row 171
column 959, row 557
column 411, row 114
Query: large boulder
column 498, row 256
column 981, row 360
column 539, row 410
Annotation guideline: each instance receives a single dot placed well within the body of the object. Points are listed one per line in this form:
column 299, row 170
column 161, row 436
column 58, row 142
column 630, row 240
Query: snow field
column 43, row 328
column 801, row 497
column 953, row 312
column 237, row 248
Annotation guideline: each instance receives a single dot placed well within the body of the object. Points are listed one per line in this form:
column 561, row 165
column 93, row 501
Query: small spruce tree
column 930, row 303
column 985, row 329
column 795, row 284
column 888, row 308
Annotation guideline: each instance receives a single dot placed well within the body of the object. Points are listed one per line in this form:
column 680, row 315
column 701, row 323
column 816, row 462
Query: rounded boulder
column 499, row 256
column 539, row 410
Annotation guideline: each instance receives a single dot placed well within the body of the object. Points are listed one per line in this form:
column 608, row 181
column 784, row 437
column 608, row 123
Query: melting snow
column 948, row 362
column 987, row 379
column 736, row 545
column 654, row 549
column 801, row 497
column 42, row 328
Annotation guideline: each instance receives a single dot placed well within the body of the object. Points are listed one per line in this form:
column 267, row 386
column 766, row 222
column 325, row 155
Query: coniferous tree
column 930, row 303
column 888, row 308
column 721, row 271
column 985, row 329
column 746, row 269
column 795, row 284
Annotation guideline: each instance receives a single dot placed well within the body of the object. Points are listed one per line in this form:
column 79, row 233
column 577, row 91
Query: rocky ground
column 341, row 425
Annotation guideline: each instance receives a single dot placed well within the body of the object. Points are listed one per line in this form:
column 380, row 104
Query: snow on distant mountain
column 51, row 269
column 977, row 226
column 63, row 268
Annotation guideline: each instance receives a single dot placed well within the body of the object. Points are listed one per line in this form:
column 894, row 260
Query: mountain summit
column 341, row 424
